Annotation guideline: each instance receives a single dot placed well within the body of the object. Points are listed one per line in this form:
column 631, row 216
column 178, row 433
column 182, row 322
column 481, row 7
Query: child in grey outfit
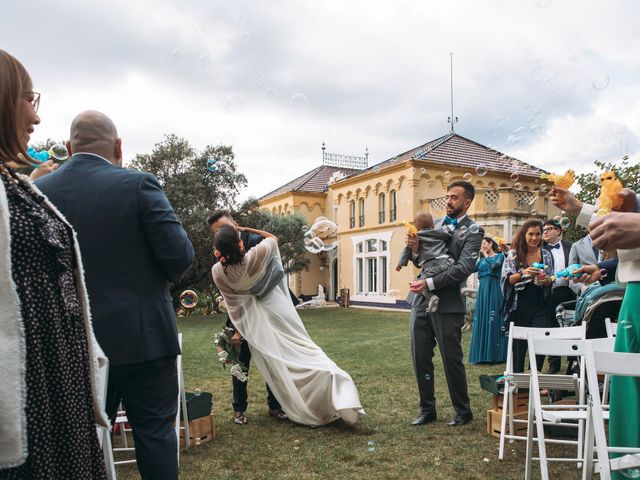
column 433, row 256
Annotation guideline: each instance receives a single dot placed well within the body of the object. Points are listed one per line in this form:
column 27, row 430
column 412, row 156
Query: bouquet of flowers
column 229, row 354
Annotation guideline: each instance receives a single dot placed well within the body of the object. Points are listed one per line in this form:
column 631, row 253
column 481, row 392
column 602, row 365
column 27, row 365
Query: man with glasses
column 560, row 291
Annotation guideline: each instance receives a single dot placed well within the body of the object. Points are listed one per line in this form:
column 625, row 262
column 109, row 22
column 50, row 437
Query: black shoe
column 278, row 414
column 460, row 420
column 425, row 418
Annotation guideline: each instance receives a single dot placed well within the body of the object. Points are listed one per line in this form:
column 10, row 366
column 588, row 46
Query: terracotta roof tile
column 313, row 181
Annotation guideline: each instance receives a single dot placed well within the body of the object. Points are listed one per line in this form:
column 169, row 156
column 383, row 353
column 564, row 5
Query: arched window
column 361, row 212
column 381, row 201
column 352, row 214
column 371, row 273
column 393, row 206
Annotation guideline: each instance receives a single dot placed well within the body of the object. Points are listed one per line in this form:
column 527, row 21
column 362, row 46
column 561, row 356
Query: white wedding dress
column 311, row 388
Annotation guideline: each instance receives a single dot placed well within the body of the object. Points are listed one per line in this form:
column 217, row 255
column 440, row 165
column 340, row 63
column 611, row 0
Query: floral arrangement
column 229, row 354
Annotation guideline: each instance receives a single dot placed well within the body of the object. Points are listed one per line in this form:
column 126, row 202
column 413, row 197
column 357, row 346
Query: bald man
column 132, row 246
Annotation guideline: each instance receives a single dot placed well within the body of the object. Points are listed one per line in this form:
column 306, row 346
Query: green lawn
column 373, row 347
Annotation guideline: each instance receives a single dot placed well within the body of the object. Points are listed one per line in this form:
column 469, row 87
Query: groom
column 444, row 326
column 250, row 240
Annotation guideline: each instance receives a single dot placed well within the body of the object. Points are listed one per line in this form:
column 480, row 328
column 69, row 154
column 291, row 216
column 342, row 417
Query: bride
column 312, row 389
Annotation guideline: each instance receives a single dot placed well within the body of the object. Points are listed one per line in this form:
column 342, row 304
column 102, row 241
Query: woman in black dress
column 526, row 287
column 49, row 357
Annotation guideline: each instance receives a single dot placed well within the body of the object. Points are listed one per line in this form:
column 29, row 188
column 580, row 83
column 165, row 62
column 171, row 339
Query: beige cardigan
column 13, row 394
column 628, row 259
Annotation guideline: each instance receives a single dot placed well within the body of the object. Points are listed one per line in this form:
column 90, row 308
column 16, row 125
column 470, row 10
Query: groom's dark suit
column 132, row 245
column 444, row 326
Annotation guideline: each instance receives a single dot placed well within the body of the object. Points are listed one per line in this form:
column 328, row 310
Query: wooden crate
column 520, row 402
column 494, row 419
column 201, row 430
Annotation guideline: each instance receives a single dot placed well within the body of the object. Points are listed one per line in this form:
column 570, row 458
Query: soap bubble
column 413, row 170
column 245, row 36
column 394, row 293
column 557, row 219
column 447, row 174
column 462, row 232
column 543, row 187
column 315, row 245
column 518, row 287
column 177, row 55
column 510, row 384
column 198, row 440
column 603, row 273
column 625, row 324
column 197, row 392
column 514, row 177
column 211, row 165
column 205, row 61
column 474, row 255
column 270, row 92
column 371, row 449
column 234, row 103
column 600, row 83
column 534, row 212
column 427, row 376
column 474, row 228
column 517, row 186
column 481, row 170
column 59, row 152
column 371, row 443
column 423, row 170
column 188, row 299
column 298, row 101
column 512, row 254
column 565, row 222
column 467, row 177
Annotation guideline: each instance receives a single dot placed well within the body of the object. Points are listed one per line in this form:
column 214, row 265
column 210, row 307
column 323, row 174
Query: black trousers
column 444, row 330
column 149, row 392
column 240, row 401
column 558, row 295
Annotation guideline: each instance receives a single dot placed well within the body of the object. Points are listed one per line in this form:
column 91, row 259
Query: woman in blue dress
column 488, row 344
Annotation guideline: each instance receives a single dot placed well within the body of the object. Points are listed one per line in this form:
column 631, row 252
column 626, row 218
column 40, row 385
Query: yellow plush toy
column 610, row 187
column 411, row 228
column 562, row 181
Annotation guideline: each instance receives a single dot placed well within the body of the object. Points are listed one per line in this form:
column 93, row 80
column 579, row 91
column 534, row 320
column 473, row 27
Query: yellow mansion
column 368, row 204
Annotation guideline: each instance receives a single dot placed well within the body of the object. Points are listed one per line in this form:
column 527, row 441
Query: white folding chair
column 554, row 414
column 513, row 381
column 182, row 402
column 181, row 422
column 612, row 327
column 104, row 435
column 610, row 363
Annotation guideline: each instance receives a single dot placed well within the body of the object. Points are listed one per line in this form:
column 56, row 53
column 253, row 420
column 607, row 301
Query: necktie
column 450, row 221
column 557, row 245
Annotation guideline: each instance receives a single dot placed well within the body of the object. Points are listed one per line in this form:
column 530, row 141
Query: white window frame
column 367, row 296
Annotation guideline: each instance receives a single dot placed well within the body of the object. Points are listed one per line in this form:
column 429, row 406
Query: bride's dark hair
column 227, row 242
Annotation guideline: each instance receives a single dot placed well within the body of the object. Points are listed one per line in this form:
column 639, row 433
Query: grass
column 373, row 346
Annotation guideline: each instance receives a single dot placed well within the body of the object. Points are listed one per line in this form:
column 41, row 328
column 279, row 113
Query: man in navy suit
column 240, row 398
column 132, row 246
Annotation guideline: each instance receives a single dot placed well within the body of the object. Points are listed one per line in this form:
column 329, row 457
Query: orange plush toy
column 610, row 188
column 562, row 181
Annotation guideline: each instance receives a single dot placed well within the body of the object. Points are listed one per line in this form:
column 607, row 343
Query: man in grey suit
column 444, row 326
column 132, row 246
column 583, row 252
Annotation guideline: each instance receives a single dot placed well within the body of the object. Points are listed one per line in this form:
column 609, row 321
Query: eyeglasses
column 548, row 229
column 35, row 100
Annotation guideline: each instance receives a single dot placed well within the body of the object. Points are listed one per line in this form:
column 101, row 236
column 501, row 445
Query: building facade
column 368, row 204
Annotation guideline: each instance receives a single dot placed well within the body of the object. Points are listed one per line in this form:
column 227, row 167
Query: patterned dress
column 61, row 433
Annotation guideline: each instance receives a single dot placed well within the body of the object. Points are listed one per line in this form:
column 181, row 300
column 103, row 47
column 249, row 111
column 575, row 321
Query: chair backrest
column 558, row 347
column 522, row 333
column 612, row 327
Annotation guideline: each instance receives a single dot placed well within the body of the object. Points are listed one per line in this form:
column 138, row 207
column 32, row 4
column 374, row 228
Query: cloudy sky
column 548, row 81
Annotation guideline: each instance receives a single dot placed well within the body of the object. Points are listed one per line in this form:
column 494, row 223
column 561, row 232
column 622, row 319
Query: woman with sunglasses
column 48, row 355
